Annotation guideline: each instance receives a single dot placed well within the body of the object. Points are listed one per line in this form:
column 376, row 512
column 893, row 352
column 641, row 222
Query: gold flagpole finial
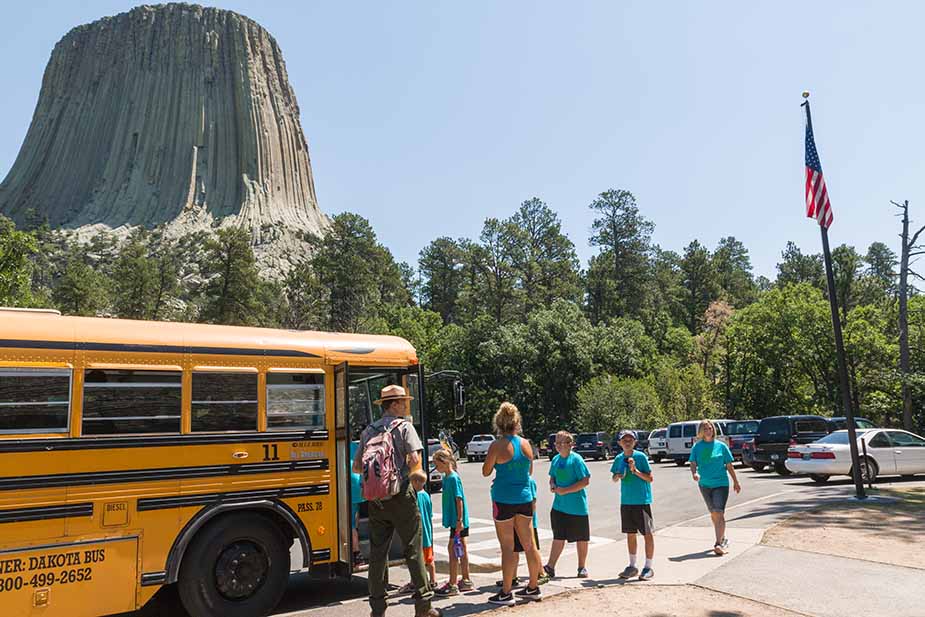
column 806, row 94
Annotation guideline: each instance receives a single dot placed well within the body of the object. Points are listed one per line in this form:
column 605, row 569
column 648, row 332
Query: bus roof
column 45, row 330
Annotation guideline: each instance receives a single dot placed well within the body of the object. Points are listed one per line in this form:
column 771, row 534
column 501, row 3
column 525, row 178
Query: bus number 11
column 270, row 452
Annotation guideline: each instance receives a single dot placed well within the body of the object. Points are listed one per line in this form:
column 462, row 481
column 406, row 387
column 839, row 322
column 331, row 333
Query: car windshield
column 810, row 426
column 742, row 428
column 587, row 437
column 774, row 427
column 657, row 434
column 838, row 437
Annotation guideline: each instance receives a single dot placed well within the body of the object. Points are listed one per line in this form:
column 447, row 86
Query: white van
column 683, row 435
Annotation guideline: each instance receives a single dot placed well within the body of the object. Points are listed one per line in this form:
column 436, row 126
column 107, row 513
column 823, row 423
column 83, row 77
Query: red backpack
column 381, row 479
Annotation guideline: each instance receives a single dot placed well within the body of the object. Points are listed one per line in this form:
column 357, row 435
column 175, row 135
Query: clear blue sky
column 427, row 117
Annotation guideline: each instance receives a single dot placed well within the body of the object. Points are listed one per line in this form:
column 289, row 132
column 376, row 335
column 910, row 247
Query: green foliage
column 81, row 289
column 617, row 276
column 16, row 247
column 231, row 291
column 796, row 268
column 608, row 403
column 700, row 283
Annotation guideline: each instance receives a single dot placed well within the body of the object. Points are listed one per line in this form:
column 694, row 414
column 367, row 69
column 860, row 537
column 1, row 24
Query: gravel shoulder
column 891, row 532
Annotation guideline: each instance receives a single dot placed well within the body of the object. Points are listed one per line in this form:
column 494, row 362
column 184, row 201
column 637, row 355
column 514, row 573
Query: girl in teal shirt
column 456, row 519
column 711, row 466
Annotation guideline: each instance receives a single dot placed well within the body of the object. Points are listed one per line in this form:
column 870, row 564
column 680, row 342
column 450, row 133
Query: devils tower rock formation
column 167, row 114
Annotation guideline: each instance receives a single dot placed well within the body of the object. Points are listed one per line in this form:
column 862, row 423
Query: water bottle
column 457, row 547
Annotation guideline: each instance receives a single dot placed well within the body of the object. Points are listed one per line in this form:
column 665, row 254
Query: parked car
column 478, row 446
column 550, row 449
column 748, row 454
column 681, row 438
column 642, row 441
column 551, row 446
column 739, row 431
column 594, row 445
column 434, row 480
column 777, row 433
column 889, row 452
column 840, row 423
column 658, row 444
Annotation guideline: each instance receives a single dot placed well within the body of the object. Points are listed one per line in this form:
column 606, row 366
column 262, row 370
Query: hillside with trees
column 637, row 337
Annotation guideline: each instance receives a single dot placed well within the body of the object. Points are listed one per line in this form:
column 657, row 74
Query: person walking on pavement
column 511, row 460
column 711, row 466
column 388, row 458
column 568, row 477
column 632, row 470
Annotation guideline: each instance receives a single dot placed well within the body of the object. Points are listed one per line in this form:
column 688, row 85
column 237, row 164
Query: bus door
column 356, row 390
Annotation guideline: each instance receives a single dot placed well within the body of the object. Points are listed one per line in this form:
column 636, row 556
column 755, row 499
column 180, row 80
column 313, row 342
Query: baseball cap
column 626, row 432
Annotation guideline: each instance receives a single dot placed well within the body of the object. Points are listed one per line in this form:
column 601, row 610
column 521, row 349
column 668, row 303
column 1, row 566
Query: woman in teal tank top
column 511, row 460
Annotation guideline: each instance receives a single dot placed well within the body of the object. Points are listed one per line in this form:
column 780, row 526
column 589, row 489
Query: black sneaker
column 629, row 572
column 503, row 599
column 530, row 594
column 550, row 571
column 515, row 582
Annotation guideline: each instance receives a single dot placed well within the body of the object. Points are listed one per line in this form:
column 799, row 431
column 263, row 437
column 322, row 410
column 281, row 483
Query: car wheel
column 758, row 467
column 819, row 478
column 869, row 471
column 657, row 458
column 679, row 462
column 782, row 470
column 236, row 566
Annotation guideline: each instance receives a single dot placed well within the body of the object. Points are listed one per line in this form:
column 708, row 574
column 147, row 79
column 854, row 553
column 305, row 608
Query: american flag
column 817, row 197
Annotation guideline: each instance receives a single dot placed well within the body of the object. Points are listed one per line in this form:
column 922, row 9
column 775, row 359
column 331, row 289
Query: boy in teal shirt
column 568, row 477
column 456, row 519
column 631, row 468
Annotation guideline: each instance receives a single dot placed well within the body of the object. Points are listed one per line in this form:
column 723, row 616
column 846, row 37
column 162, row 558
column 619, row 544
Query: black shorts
column 518, row 547
column 637, row 519
column 462, row 534
column 507, row 511
column 569, row 527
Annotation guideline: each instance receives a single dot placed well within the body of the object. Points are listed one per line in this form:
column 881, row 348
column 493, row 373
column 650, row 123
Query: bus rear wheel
column 237, row 566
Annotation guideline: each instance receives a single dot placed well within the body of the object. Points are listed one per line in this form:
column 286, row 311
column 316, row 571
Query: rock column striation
column 166, row 114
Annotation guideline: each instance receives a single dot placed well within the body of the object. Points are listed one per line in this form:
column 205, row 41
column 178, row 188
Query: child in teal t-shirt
column 456, row 519
column 632, row 470
column 568, row 477
column 427, row 530
column 356, row 498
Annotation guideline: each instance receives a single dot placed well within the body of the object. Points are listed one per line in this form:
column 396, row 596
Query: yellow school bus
column 135, row 455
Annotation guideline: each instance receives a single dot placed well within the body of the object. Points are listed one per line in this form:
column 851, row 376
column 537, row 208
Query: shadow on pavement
column 708, row 554
column 305, row 592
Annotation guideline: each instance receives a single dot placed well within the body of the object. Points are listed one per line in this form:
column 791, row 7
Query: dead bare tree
column 909, row 250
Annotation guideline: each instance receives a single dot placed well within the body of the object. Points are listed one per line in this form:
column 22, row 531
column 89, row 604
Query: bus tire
column 237, row 566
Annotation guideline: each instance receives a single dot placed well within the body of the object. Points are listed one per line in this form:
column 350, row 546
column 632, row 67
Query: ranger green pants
column 398, row 514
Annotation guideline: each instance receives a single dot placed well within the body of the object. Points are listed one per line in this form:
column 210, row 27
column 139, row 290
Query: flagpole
column 840, row 349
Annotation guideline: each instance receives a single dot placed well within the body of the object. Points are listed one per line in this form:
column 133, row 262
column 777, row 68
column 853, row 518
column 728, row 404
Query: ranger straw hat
column 393, row 393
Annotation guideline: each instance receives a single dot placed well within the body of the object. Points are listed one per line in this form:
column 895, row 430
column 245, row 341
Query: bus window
column 295, row 400
column 118, row 402
column 224, row 402
column 34, row 400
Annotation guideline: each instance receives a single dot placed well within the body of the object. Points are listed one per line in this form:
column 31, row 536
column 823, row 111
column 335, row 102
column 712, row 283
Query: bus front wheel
column 237, row 566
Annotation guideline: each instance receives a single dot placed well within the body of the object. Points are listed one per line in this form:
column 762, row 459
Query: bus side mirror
column 459, row 400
